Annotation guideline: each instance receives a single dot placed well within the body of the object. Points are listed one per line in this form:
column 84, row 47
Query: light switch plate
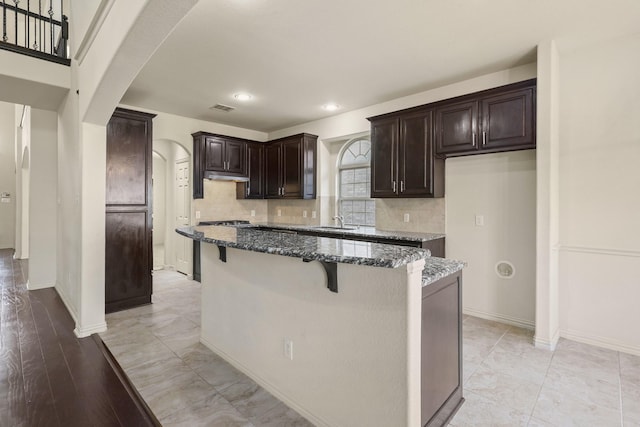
column 479, row 220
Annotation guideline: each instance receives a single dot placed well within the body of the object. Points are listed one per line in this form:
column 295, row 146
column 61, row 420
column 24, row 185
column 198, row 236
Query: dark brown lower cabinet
column 441, row 378
column 128, row 223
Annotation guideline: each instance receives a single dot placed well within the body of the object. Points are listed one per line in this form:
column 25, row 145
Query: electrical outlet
column 288, row 348
column 279, row 212
column 313, row 214
column 253, row 212
column 304, row 214
column 479, row 220
column 197, row 214
column 406, row 217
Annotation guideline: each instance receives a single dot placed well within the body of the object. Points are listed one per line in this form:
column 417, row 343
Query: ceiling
column 294, row 56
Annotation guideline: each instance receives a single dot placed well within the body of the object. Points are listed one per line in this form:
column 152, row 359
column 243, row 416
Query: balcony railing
column 36, row 28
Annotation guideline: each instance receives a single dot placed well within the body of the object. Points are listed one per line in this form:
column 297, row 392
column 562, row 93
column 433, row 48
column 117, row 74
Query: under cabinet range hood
column 216, row 176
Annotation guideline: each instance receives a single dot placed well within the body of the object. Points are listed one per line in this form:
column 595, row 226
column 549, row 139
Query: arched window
column 354, row 183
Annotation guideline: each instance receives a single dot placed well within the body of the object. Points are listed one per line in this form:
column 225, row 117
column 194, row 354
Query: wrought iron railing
column 36, row 28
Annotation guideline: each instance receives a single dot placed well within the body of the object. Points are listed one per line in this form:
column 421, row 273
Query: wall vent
column 222, row 107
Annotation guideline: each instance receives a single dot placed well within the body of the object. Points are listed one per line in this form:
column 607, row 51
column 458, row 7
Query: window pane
column 361, row 190
column 371, row 205
column 371, row 219
column 347, row 176
column 362, row 174
column 358, row 218
column 359, row 206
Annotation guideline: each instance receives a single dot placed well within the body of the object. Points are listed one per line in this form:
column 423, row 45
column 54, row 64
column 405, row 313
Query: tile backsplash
column 220, row 203
column 425, row 215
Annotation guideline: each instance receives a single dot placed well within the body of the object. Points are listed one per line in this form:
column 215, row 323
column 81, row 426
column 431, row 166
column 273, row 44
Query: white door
column 183, row 215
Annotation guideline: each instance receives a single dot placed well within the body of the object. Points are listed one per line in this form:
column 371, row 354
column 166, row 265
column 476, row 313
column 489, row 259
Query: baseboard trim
column 266, row 385
column 599, row 341
column 514, row 321
column 547, row 344
column 82, row 332
column 31, row 287
column 65, row 301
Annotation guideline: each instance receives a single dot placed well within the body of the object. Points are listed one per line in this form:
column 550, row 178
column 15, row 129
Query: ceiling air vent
column 222, row 107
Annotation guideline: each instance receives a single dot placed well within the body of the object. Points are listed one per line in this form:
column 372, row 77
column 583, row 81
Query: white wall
column 599, row 194
column 7, row 175
column 23, row 171
column 43, row 199
column 501, row 188
column 68, row 212
column 159, row 198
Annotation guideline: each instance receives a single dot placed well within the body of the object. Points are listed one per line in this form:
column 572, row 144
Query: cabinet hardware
column 247, row 184
column 402, row 186
column 484, row 138
column 473, row 139
column 394, row 186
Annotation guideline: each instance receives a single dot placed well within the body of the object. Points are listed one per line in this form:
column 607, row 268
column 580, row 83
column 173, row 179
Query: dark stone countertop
column 346, row 232
column 327, row 249
column 307, row 247
column 437, row 268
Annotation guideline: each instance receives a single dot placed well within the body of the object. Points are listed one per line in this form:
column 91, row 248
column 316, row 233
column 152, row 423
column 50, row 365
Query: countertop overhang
column 324, row 249
column 309, row 248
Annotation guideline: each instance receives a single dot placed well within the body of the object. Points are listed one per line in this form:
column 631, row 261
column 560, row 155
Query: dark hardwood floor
column 48, row 377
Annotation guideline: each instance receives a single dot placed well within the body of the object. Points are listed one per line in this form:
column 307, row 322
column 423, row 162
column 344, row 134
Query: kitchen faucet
column 340, row 219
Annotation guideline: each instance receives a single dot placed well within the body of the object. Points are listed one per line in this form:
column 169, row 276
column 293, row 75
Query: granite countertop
column 361, row 231
column 437, row 268
column 306, row 247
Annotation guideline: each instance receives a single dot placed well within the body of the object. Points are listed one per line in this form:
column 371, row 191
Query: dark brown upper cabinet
column 290, row 165
column 225, row 155
column 255, row 187
column 218, row 155
column 403, row 162
column 495, row 120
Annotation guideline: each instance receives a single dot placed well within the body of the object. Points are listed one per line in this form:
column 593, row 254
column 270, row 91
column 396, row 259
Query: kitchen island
column 348, row 333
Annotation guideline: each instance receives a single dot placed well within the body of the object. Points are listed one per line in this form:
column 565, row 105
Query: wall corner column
column 547, row 197
column 93, row 148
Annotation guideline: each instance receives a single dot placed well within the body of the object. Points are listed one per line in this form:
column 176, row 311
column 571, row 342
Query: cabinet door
column 415, row 164
column 456, row 127
column 507, row 120
column 441, row 349
column 384, row 155
column 255, row 168
column 272, row 171
column 128, row 207
column 292, row 168
column 234, row 155
column 214, row 154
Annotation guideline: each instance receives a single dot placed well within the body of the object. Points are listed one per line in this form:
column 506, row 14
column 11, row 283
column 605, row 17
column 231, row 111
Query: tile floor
column 507, row 382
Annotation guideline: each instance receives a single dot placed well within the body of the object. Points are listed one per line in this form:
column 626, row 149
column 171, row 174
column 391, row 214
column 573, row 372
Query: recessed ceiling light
column 331, row 106
column 243, row 96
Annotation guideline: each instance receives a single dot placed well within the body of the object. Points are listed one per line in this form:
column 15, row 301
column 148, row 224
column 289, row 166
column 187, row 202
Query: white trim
column 599, row 341
column 82, row 332
column 65, row 301
column 94, row 27
column 31, row 287
column 501, row 318
column 599, row 251
column 266, row 385
column 546, row 345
